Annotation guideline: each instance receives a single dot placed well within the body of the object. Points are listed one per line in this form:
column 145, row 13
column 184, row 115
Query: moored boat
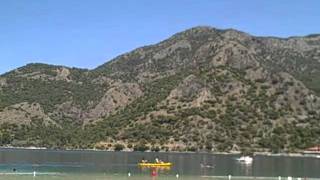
column 245, row 159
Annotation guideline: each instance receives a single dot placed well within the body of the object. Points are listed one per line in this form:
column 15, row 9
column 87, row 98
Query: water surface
column 95, row 165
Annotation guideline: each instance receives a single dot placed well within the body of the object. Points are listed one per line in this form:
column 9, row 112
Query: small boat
column 163, row 164
column 245, row 159
column 206, row 166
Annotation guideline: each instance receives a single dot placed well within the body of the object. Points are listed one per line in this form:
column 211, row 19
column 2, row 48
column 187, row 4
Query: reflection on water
column 158, row 169
column 123, row 165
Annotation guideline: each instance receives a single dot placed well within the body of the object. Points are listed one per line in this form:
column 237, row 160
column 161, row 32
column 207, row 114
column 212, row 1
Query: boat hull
column 155, row 164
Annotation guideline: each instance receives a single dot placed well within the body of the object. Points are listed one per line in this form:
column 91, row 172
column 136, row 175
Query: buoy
column 299, row 178
column 229, row 177
column 129, row 174
column 289, row 178
column 177, row 175
column 279, row 177
column 34, row 173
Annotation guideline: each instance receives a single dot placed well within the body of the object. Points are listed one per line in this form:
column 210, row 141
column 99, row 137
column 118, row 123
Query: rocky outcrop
column 24, row 113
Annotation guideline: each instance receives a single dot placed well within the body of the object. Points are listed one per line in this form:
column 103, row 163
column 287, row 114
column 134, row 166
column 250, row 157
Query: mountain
column 201, row 89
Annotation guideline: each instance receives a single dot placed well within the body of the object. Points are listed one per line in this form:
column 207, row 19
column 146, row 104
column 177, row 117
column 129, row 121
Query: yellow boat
column 164, row 164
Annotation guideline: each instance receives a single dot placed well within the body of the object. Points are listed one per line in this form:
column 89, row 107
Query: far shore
column 303, row 154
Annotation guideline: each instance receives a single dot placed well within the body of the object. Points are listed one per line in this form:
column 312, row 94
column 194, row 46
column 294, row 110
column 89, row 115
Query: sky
column 86, row 34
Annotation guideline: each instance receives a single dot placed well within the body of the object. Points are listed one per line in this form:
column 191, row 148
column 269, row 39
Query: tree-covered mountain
column 201, row 89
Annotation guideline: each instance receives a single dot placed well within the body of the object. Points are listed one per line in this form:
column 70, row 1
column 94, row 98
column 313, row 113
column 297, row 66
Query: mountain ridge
column 196, row 27
column 202, row 88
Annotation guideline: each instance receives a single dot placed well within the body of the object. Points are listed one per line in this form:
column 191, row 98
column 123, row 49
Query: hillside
column 201, row 89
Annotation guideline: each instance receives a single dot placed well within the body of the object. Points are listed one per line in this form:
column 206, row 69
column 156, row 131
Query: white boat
column 245, row 159
column 206, row 166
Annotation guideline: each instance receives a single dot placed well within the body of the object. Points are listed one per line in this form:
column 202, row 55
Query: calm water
column 81, row 165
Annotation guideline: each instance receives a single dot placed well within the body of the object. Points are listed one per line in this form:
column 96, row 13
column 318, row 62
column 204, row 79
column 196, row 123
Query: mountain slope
column 203, row 88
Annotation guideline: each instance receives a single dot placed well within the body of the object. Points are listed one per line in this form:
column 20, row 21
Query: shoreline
column 303, row 154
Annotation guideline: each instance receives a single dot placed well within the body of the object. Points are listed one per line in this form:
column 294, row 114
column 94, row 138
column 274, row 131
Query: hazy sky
column 87, row 33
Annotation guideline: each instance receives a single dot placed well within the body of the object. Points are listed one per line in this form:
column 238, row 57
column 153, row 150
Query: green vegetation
column 49, row 93
column 118, row 147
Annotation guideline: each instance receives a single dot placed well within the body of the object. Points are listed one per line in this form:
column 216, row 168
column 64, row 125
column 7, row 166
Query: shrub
column 155, row 149
column 118, row 147
column 192, row 149
column 140, row 147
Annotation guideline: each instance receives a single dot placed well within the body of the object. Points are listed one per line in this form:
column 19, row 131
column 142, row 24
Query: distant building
column 314, row 149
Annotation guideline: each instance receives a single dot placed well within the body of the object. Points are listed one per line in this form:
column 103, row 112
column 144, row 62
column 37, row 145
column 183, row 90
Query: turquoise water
column 93, row 165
